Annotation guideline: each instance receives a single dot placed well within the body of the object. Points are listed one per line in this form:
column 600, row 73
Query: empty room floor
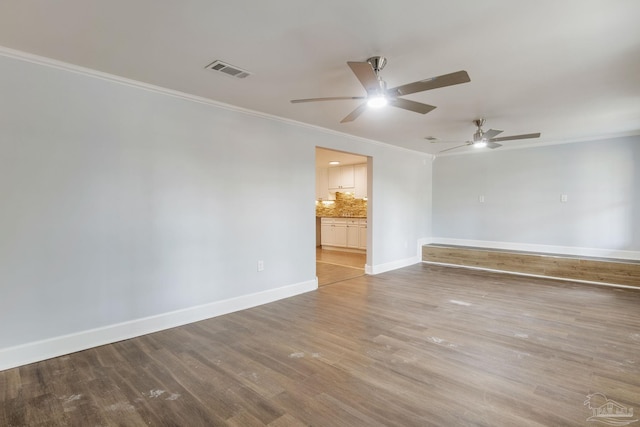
column 420, row 346
column 336, row 266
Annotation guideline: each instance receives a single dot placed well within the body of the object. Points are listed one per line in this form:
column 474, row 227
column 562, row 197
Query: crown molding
column 60, row 65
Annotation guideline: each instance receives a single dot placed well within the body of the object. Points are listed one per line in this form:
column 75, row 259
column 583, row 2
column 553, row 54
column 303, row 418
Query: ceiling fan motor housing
column 478, row 136
column 377, row 63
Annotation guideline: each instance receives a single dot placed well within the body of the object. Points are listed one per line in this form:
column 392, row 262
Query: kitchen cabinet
column 326, row 232
column 341, row 177
column 362, row 234
column 344, row 233
column 340, row 233
column 333, row 232
column 353, row 233
column 345, row 179
column 360, row 181
column 322, row 184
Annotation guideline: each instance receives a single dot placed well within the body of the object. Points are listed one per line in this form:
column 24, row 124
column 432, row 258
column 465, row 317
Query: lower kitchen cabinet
column 362, row 234
column 340, row 233
column 326, row 232
column 333, row 232
column 353, row 233
column 343, row 233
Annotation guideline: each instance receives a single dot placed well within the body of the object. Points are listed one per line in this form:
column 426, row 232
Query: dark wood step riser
column 614, row 272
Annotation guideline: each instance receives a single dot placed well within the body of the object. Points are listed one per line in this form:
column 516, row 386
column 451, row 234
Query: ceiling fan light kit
column 377, row 101
column 488, row 139
column 368, row 73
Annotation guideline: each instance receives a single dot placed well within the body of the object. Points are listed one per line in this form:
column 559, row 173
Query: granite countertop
column 339, row 216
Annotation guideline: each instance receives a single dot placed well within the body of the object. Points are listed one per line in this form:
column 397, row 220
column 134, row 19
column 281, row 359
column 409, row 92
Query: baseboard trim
column 394, row 265
column 54, row 347
column 343, row 249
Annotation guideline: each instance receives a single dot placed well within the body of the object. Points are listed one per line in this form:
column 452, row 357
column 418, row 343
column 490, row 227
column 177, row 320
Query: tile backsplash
column 345, row 205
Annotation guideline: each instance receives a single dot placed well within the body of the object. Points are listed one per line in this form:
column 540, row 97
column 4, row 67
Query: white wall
column 127, row 209
column 522, row 191
column 400, row 200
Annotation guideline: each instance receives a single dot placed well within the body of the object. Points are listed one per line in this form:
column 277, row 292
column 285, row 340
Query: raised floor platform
column 594, row 270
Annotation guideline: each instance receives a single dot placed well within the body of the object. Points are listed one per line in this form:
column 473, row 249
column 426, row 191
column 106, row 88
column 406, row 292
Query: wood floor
column 336, row 266
column 421, row 346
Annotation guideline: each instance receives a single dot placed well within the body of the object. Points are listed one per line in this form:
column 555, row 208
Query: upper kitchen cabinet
column 340, row 172
column 360, row 181
column 341, row 178
column 322, row 184
column 345, row 179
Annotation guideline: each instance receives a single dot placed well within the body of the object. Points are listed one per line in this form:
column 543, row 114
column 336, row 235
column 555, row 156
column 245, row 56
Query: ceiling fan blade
column 406, row 104
column 364, row 72
column 453, row 148
column 432, row 83
column 509, row 138
column 491, row 133
column 355, row 113
column 492, row 145
column 332, row 98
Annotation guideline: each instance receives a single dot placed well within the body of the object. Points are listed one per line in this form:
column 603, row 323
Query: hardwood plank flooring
column 350, row 259
column 336, row 266
column 424, row 345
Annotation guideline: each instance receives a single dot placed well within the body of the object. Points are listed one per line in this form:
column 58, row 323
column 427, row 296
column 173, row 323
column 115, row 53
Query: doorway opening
column 342, row 235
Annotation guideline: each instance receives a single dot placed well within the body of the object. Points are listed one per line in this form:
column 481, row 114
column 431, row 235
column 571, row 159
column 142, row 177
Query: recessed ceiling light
column 334, row 162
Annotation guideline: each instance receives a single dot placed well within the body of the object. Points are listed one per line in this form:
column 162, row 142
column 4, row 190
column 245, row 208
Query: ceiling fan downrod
column 478, row 136
column 377, row 63
column 378, row 97
column 479, row 140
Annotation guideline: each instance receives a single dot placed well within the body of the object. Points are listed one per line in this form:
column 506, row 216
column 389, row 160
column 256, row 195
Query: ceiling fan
column 488, row 138
column 378, row 95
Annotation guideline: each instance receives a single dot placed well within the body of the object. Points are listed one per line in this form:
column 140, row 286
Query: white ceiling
column 324, row 156
column 569, row 69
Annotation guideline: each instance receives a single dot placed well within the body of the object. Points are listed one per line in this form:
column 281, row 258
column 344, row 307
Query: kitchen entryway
column 342, row 184
column 336, row 266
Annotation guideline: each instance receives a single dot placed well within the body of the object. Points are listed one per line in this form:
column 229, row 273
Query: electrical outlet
column 564, row 198
column 260, row 265
column 481, row 199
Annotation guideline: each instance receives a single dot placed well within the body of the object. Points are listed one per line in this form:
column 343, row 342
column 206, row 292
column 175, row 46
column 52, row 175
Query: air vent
column 228, row 69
